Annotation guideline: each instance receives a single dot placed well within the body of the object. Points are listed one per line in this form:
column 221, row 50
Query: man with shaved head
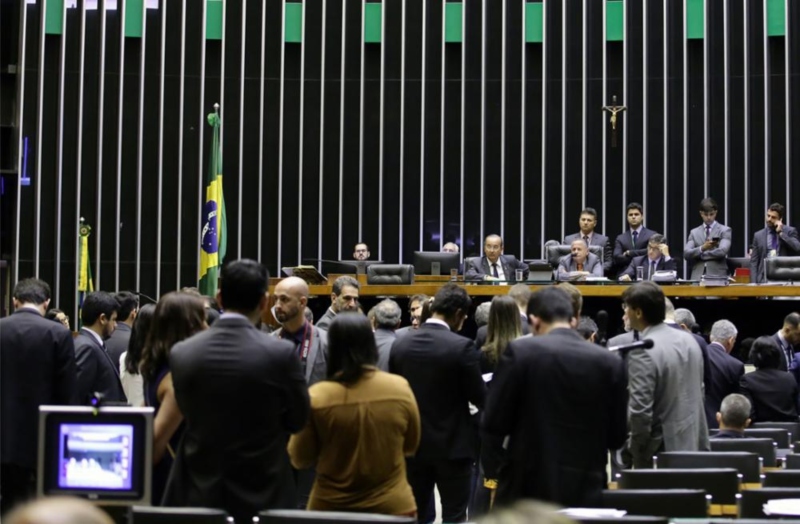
column 494, row 265
column 291, row 298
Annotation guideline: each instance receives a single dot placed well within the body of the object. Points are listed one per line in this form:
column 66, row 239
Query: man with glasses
column 656, row 259
column 361, row 252
column 494, row 265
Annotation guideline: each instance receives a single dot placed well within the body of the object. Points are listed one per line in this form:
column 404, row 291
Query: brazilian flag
column 214, row 234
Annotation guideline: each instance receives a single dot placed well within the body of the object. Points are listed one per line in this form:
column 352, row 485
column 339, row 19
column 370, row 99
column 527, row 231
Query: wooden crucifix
column 614, row 109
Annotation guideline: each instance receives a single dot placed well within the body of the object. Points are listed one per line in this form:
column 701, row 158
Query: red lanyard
column 306, row 344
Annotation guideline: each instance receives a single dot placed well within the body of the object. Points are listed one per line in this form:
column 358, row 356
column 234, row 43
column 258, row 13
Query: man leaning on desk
column 494, row 265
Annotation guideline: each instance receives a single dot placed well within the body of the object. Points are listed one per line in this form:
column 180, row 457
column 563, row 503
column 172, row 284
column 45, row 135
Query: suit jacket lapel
column 312, row 354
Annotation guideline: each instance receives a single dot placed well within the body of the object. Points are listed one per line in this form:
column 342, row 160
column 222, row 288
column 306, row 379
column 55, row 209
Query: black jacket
column 726, row 372
column 772, row 394
column 479, row 267
column 624, row 242
column 96, row 370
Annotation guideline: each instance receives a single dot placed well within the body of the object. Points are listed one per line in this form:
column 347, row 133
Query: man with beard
column 344, row 297
column 776, row 239
column 96, row 371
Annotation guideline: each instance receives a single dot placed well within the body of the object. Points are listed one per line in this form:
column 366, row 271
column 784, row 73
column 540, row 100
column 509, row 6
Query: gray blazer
column 788, row 245
column 666, row 410
column 317, row 362
column 384, row 338
column 714, row 260
column 567, row 265
column 596, row 240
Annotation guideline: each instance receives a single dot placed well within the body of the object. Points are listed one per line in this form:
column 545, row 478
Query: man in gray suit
column 666, row 411
column 708, row 244
column 385, row 320
column 344, row 297
column 587, row 223
column 580, row 264
column 777, row 239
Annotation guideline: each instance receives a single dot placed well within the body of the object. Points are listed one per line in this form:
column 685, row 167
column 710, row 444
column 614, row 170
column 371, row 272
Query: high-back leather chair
column 748, row 464
column 751, row 504
column 378, row 274
column 782, row 269
column 764, row 447
column 555, row 252
column 672, row 503
column 721, row 483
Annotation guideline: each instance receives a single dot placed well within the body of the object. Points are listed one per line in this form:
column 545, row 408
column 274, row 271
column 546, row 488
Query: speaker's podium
column 307, row 273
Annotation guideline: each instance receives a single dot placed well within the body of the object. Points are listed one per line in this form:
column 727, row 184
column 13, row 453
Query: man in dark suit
column 559, row 435
column 117, row 344
column 385, row 320
column 443, row 370
column 772, row 393
column 632, row 243
column 96, row 371
column 776, row 239
column 733, row 417
column 726, row 371
column 656, row 259
column 788, row 340
column 494, row 265
column 344, row 297
column 241, row 392
column 38, row 368
column 521, row 294
column 587, row 223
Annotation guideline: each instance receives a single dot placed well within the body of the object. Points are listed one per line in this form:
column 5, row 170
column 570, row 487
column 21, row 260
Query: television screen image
column 98, row 456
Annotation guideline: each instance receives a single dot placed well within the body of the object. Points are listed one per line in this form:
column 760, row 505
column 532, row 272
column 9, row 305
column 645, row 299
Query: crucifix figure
column 614, row 109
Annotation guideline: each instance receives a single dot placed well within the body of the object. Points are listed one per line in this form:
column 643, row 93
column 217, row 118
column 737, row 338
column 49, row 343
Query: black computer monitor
column 104, row 455
column 435, row 262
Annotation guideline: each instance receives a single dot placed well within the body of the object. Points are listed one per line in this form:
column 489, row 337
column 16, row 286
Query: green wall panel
column 293, row 28
column 454, row 12
column 615, row 21
column 373, row 16
column 213, row 20
column 534, row 32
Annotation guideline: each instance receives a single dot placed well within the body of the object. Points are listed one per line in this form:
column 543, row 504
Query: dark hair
column 589, row 211
column 778, row 208
column 243, row 284
column 139, row 331
column 52, row 314
column 744, row 348
column 503, row 327
column 128, row 302
column 177, row 317
column 707, row 205
column 95, row 304
column 587, row 327
column 657, row 238
column 342, row 281
column 574, row 295
column 764, row 353
column 210, row 302
column 551, row 304
column 648, row 297
column 32, row 291
column 449, row 299
column 351, row 346
column 425, row 313
column 634, row 205
column 792, row 319
column 419, row 297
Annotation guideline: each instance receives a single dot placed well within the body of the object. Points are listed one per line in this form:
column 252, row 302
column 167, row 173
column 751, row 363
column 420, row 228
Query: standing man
column 96, row 371
column 558, row 436
column 788, row 340
column 494, row 265
column 241, row 392
column 657, row 258
column 665, row 410
column 38, row 368
column 776, row 239
column 580, row 263
column 117, row 344
column 443, row 369
column 414, row 310
column 708, row 244
column 726, row 371
column 385, row 320
column 587, row 222
column 361, row 251
column 632, row 243
column 344, row 297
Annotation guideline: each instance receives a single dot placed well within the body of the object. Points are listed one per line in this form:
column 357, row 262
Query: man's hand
column 707, row 245
column 664, row 249
column 625, row 278
column 779, row 226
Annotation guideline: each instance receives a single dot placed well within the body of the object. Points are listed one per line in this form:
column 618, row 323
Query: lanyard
column 306, row 344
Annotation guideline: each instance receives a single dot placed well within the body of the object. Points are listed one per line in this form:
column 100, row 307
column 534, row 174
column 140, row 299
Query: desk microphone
column 641, row 344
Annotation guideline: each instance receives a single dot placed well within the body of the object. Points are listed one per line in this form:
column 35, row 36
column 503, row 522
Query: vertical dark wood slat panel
column 90, row 136
column 777, row 120
column 758, row 119
column 634, row 116
column 433, row 128
column 553, row 124
column 352, row 122
column 450, row 201
column 311, row 142
column 392, row 39
column 291, row 154
column 229, row 111
column 330, row 202
column 716, row 109
column 412, row 126
column 596, row 118
column 371, row 148
column 696, row 135
column 472, row 244
column 515, row 33
column 615, row 206
column 654, row 134
column 793, row 28
column 674, row 227
column 534, row 63
column 574, row 118
column 737, row 167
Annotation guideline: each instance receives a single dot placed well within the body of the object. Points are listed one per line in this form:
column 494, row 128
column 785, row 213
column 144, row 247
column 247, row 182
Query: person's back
column 241, row 393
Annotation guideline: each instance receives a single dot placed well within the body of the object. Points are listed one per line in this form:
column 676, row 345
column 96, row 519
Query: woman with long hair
column 177, row 316
column 129, row 375
column 503, row 327
column 363, row 424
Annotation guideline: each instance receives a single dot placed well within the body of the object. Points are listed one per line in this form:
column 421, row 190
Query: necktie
column 494, row 271
column 708, row 232
column 635, row 236
column 580, row 266
column 586, row 238
column 652, row 269
column 774, row 240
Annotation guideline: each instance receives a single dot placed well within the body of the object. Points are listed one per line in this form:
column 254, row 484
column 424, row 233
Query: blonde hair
column 503, row 327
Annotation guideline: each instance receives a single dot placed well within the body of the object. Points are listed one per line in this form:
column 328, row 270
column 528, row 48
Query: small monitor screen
column 435, row 263
column 99, row 456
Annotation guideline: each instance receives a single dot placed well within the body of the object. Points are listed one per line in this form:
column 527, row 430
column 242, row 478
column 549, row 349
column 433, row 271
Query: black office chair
column 159, row 515
column 782, row 269
column 792, row 460
column 294, row 516
column 748, row 464
column 671, row 503
column 555, row 251
column 383, row 274
column 763, row 447
column 721, row 483
column 751, row 503
column 792, row 427
column 781, row 436
column 782, row 479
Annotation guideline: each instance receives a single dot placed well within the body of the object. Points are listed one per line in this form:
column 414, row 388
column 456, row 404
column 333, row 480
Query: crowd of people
column 355, row 413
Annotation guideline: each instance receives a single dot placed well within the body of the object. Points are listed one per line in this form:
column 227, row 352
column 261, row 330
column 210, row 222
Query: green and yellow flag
column 85, row 283
column 214, row 234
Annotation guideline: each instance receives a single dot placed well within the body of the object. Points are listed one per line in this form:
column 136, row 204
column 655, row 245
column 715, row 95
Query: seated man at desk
column 580, row 264
column 494, row 265
column 361, row 251
column 656, row 259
